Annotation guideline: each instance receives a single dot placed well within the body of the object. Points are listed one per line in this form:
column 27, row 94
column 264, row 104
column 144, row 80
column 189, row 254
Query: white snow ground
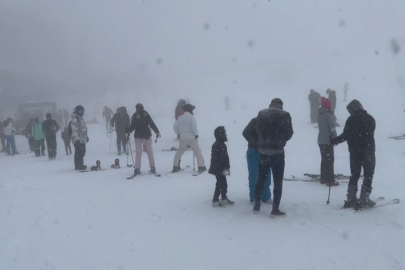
column 52, row 217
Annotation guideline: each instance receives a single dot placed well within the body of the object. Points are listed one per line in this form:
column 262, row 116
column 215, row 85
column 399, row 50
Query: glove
column 88, row 139
column 158, row 135
column 226, row 172
column 196, row 137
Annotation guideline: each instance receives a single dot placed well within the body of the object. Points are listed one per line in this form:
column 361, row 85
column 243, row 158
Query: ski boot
column 202, row 169
column 226, row 201
column 152, row 170
column 137, row 171
column 116, row 164
column 351, row 197
column 256, row 208
column 176, row 169
column 332, row 183
column 217, row 203
column 276, row 213
column 97, row 167
column 364, row 201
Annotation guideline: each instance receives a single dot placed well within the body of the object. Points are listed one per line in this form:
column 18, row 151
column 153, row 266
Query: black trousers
column 327, row 162
column 40, row 147
column 121, row 139
column 68, row 149
column 52, row 145
column 220, row 188
column 31, row 143
column 80, row 152
column 314, row 113
column 276, row 163
column 362, row 158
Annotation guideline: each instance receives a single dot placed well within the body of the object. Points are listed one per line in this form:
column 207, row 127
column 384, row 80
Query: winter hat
column 48, row 116
column 325, row 103
column 188, row 108
column 276, row 102
column 79, row 110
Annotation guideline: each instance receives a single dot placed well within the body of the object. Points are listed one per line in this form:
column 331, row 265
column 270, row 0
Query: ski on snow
column 316, row 178
column 400, row 137
column 135, row 175
column 379, row 203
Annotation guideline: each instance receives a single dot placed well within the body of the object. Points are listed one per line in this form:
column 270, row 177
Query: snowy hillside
column 53, row 217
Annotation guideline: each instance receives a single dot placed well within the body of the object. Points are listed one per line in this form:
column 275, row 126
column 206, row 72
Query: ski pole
column 193, row 162
column 327, row 202
column 130, row 148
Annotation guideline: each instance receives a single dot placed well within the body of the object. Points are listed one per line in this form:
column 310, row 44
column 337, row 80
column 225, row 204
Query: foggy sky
column 110, row 45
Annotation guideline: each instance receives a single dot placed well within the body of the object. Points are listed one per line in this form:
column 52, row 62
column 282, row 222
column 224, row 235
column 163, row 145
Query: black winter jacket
column 120, row 121
column 142, row 123
column 50, row 127
column 219, row 154
column 359, row 129
column 251, row 135
column 274, row 128
column 315, row 99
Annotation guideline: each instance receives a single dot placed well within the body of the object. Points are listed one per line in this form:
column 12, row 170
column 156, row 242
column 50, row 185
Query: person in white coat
column 186, row 128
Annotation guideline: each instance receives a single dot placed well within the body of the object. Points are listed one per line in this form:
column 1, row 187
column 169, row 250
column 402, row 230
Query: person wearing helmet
column 79, row 136
column 50, row 127
column 141, row 123
column 186, row 128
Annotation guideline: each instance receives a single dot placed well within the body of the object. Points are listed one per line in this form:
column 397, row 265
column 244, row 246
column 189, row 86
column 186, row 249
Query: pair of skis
column 400, row 137
column 159, row 175
column 316, row 178
column 380, row 202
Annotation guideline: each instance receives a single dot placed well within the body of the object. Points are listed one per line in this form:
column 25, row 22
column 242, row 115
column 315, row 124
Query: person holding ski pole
column 359, row 134
column 186, row 128
column 141, row 123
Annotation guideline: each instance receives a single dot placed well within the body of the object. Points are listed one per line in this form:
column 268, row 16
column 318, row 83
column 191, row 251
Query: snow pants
column 51, row 145
column 362, row 158
column 147, row 143
column 10, row 146
column 276, row 163
column 327, row 162
column 121, row 140
column 221, row 188
column 252, row 157
column 80, row 152
column 183, row 147
column 40, row 147
column 68, row 149
column 31, row 144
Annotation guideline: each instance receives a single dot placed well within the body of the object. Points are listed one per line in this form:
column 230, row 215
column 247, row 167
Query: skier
column 326, row 124
column 50, row 127
column 142, row 123
column 332, row 98
column 252, row 157
column 107, row 114
column 186, row 128
column 66, row 117
column 39, row 136
column 28, row 130
column 314, row 102
column 66, row 140
column 120, row 127
column 79, row 136
column 359, row 134
column 2, row 137
column 9, row 131
column 220, row 167
column 274, row 128
column 345, row 90
column 179, row 109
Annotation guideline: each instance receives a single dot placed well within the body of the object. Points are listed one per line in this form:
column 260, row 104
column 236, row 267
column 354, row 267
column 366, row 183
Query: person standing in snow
column 186, row 128
column 79, row 136
column 9, row 131
column 252, row 157
column 359, row 134
column 332, row 98
column 66, row 140
column 345, row 90
column 274, row 128
column 50, row 127
column 2, row 137
column 314, row 102
column 107, row 114
column 117, row 122
column 220, row 167
column 39, row 136
column 326, row 124
column 142, row 123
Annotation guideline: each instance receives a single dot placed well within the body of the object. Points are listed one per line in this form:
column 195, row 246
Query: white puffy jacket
column 186, row 126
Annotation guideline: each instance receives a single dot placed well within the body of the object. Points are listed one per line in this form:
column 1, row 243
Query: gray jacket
column 79, row 128
column 327, row 125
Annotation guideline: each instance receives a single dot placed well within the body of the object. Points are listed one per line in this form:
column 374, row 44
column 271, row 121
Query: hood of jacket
column 354, row 106
column 220, row 134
